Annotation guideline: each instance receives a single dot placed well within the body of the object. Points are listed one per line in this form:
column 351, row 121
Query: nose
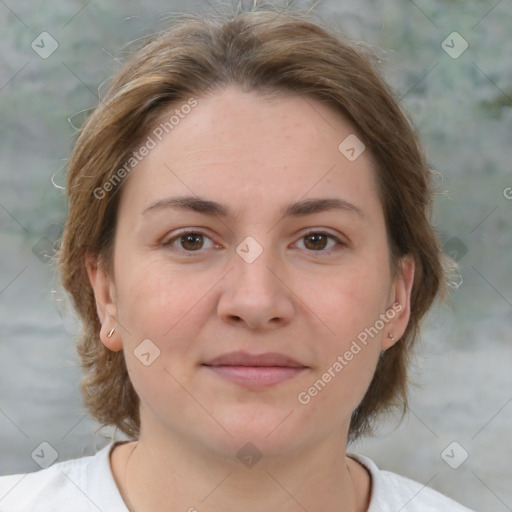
column 256, row 294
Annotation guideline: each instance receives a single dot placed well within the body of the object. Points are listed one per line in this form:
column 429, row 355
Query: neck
column 176, row 475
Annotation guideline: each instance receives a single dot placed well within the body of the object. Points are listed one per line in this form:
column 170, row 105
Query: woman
column 249, row 250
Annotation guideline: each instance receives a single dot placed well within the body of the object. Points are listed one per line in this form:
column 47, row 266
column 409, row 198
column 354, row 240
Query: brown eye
column 318, row 241
column 192, row 241
column 188, row 242
column 315, row 241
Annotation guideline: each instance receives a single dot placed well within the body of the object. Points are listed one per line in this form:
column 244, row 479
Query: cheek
column 347, row 353
column 165, row 307
column 154, row 298
column 336, row 391
column 349, row 300
column 349, row 304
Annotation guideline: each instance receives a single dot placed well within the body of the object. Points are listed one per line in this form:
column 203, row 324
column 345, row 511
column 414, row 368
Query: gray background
column 462, row 109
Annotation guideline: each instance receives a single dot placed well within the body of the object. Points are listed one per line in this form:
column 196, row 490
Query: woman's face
column 247, row 230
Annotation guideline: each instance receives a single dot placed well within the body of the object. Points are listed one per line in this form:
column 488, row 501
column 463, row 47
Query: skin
column 254, row 155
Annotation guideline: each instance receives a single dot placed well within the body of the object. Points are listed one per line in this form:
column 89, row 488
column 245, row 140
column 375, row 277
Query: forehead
column 248, row 149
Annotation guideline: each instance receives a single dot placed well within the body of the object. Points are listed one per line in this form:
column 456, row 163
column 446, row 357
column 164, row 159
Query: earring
column 109, row 335
column 391, row 337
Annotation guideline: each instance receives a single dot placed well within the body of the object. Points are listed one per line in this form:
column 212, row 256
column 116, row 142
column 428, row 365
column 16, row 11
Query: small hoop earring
column 109, row 335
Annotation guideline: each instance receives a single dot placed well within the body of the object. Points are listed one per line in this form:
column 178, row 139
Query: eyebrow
column 212, row 208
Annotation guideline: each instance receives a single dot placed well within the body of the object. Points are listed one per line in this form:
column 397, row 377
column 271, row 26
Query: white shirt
column 87, row 485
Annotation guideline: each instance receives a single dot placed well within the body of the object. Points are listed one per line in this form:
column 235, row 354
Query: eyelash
column 168, row 244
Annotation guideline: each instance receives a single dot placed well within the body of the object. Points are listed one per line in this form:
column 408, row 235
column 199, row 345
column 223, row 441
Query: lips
column 268, row 359
column 255, row 371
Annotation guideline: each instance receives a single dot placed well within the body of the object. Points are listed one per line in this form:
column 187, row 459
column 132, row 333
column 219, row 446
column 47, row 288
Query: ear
column 400, row 303
column 104, row 290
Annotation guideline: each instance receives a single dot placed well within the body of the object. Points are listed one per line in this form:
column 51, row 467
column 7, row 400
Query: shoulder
column 81, row 485
column 391, row 492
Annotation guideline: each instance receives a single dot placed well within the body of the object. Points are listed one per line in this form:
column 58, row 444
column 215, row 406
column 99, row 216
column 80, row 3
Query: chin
column 273, row 430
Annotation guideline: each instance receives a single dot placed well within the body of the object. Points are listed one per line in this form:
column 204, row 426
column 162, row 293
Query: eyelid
column 168, row 241
column 339, row 239
column 324, row 231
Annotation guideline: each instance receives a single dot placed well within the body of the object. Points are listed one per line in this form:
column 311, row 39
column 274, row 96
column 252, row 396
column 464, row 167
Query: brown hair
column 262, row 52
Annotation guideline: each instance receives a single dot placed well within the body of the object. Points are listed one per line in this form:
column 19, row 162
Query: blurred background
column 449, row 62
